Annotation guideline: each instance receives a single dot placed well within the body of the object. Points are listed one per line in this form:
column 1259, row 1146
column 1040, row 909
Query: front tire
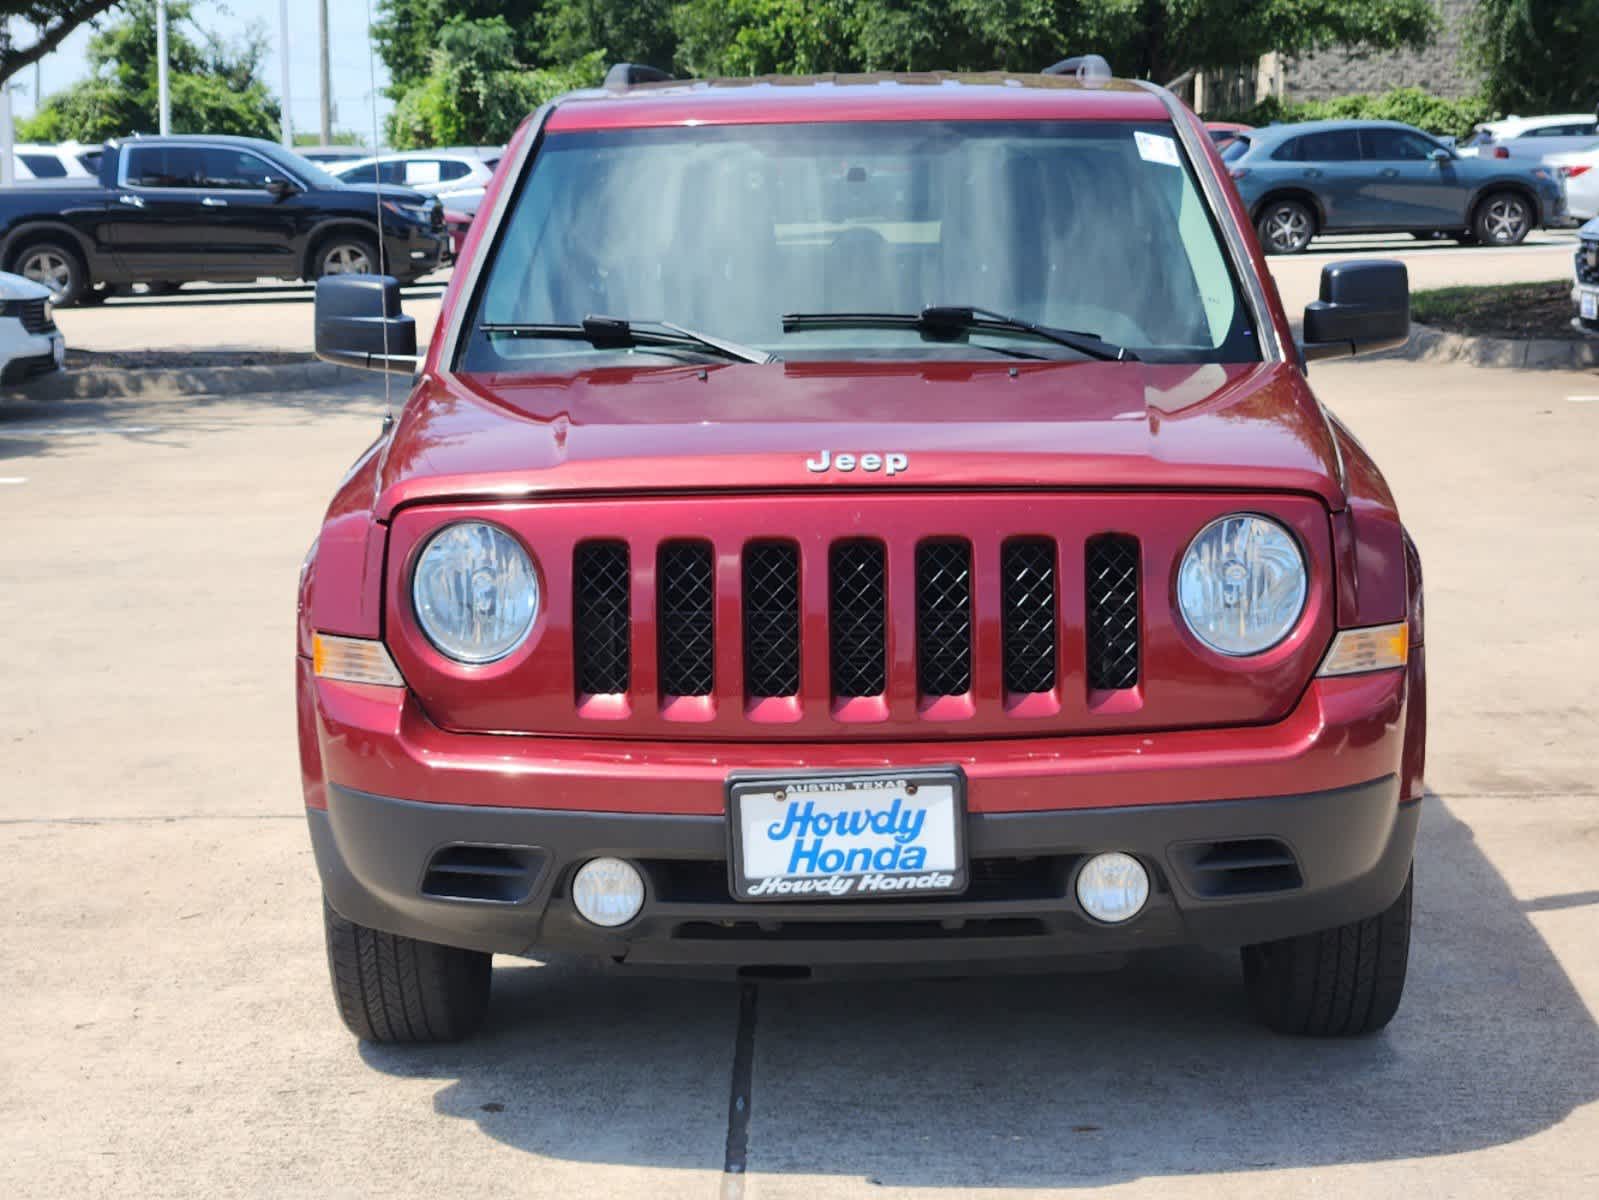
column 347, row 254
column 56, row 266
column 390, row 988
column 1503, row 219
column 1285, row 227
column 1340, row 982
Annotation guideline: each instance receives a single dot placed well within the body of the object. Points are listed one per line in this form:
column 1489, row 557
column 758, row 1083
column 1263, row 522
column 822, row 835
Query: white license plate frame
column 934, row 790
column 1588, row 304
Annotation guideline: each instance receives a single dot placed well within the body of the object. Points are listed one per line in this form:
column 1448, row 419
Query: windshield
column 1091, row 227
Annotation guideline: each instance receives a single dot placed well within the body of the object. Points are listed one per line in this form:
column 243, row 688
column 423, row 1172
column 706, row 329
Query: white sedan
column 459, row 173
column 30, row 343
column 1579, row 175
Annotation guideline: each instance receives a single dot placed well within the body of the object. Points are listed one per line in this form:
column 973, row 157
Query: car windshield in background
column 1097, row 228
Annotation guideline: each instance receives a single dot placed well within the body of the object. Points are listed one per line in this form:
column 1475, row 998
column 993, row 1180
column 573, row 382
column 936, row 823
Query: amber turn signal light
column 1378, row 648
column 354, row 660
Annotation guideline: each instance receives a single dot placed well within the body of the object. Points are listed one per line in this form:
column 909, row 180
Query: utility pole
column 287, row 122
column 8, row 138
column 327, row 75
column 163, row 83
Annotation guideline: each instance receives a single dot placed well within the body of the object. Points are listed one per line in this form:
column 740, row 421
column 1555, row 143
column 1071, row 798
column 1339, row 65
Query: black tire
column 1341, row 982
column 1285, row 227
column 390, row 988
column 345, row 254
column 1502, row 219
column 56, row 265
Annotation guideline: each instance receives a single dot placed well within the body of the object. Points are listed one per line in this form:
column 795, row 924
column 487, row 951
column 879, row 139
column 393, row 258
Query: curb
column 1538, row 354
column 95, row 383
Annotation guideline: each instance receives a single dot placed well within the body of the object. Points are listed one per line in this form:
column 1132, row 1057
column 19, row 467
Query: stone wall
column 1442, row 68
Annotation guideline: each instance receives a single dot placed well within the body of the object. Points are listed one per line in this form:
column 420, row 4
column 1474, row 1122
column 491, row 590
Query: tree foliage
column 215, row 84
column 1453, row 118
column 52, row 21
column 1537, row 55
column 1157, row 39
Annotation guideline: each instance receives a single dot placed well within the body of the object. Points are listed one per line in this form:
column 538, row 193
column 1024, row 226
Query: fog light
column 1112, row 887
column 608, row 891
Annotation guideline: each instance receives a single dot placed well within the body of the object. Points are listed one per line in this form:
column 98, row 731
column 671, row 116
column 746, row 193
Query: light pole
column 327, row 75
column 163, row 84
column 283, row 53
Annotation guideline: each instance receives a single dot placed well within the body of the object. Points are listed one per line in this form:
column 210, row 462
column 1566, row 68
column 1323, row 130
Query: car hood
column 388, row 191
column 1243, row 427
column 17, row 287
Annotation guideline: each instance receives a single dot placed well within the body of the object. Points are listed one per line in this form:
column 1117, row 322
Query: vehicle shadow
column 196, row 296
column 1053, row 1080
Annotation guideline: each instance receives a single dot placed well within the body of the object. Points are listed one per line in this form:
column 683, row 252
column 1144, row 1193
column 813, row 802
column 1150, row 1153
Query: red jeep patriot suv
column 862, row 523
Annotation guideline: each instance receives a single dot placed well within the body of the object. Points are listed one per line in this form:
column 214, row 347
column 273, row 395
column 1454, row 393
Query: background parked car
column 30, row 343
column 1585, row 295
column 327, row 155
column 1225, row 132
column 168, row 210
column 1383, row 177
column 1532, row 137
column 1579, row 175
column 456, row 174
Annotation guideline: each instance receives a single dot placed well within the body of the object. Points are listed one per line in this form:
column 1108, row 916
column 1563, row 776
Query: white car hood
column 15, row 287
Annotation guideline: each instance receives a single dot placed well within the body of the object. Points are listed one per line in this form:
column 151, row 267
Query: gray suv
column 1383, row 177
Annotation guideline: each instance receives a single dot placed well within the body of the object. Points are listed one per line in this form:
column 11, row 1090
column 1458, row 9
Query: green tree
column 215, row 84
column 639, row 31
column 52, row 20
column 475, row 92
column 1537, row 55
column 406, row 33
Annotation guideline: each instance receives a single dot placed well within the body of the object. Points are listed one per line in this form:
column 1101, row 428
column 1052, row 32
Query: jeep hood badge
column 888, row 462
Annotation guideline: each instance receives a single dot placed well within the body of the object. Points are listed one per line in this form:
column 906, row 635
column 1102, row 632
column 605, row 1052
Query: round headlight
column 475, row 592
column 1242, row 584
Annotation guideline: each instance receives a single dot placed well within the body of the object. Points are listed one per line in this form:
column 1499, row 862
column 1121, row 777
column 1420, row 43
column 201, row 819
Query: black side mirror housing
column 359, row 324
column 281, row 189
column 1364, row 306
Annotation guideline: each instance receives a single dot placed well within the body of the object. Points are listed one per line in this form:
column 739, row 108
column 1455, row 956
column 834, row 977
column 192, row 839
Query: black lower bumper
column 1224, row 873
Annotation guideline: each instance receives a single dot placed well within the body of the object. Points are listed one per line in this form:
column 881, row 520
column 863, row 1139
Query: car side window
column 238, row 170
column 203, row 168
column 1331, row 145
column 453, row 169
column 362, row 174
column 1395, row 145
column 1288, row 151
column 44, row 166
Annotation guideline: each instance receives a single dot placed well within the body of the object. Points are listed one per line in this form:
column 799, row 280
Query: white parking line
column 1583, row 399
column 13, row 479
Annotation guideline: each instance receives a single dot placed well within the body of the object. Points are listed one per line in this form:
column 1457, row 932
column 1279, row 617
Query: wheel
column 1340, row 982
column 1286, row 227
column 347, row 254
column 1503, row 219
column 58, row 267
column 164, row 287
column 390, row 988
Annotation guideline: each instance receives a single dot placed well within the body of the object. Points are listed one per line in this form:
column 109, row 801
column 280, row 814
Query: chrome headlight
column 475, row 592
column 1242, row 584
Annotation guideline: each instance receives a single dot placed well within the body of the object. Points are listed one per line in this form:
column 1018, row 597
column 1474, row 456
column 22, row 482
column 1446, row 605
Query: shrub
column 1450, row 118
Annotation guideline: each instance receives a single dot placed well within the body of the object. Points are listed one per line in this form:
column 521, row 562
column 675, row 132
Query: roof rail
column 623, row 75
column 1083, row 66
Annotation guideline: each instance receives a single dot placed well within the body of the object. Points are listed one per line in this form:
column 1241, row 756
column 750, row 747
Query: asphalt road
column 168, row 1028
column 278, row 316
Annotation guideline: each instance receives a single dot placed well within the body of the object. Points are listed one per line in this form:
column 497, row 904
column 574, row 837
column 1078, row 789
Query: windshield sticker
column 1152, row 147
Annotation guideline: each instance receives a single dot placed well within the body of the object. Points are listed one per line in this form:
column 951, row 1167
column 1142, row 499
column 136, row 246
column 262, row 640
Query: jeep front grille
column 1111, row 569
column 34, row 317
column 943, row 607
column 601, row 586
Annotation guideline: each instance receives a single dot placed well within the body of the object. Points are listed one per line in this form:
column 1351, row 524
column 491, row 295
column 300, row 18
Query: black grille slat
column 857, row 620
column 1111, row 569
column 1588, row 262
column 771, row 620
column 1031, row 615
column 686, row 618
column 33, row 316
column 944, row 618
column 601, row 631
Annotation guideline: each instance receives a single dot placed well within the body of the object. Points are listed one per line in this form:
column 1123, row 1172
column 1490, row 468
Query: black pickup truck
column 170, row 210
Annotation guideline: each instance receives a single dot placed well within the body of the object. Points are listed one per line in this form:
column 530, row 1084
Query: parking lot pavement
column 168, row 1025
column 277, row 316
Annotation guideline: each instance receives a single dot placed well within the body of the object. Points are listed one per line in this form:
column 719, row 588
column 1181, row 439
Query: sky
column 348, row 45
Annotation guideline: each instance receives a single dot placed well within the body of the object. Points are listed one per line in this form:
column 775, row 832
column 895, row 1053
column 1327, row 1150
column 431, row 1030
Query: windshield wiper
column 619, row 332
column 943, row 320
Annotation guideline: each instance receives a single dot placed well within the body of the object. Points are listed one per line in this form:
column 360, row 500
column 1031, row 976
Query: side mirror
column 281, row 189
column 359, row 324
column 1364, row 306
column 1439, row 155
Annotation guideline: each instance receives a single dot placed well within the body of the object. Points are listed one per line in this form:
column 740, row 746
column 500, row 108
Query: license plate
column 1590, row 306
column 848, row 836
column 59, row 349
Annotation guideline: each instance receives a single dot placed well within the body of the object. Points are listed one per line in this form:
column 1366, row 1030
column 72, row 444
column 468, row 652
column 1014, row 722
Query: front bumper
column 32, row 355
column 416, row 251
column 1351, row 850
